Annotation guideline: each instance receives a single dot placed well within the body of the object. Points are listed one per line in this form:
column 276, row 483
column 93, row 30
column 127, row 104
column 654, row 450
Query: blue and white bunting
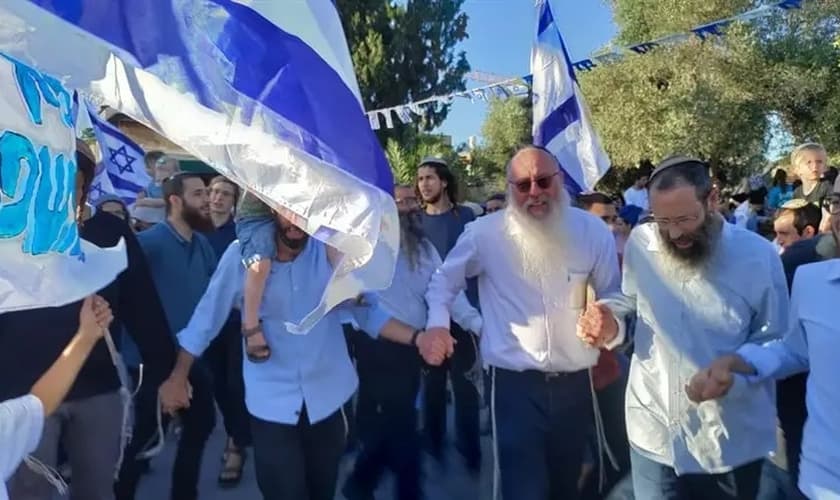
column 43, row 261
column 561, row 121
column 122, row 170
column 264, row 92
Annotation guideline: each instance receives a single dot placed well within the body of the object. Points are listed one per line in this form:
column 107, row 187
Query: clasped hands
column 435, row 345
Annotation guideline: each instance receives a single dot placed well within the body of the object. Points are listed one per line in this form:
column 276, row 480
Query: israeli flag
column 264, row 91
column 122, row 171
column 43, row 261
column 561, row 120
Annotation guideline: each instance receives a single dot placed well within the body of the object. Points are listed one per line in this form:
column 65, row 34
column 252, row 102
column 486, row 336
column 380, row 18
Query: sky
column 500, row 37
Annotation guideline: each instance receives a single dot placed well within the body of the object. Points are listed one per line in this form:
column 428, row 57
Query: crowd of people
column 661, row 337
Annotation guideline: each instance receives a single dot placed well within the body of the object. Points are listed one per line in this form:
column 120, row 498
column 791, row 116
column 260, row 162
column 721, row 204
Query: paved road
column 442, row 483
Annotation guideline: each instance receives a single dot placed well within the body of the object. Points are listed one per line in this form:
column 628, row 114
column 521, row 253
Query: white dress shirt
column 21, row 424
column 529, row 326
column 812, row 342
column 637, row 197
column 684, row 323
column 405, row 299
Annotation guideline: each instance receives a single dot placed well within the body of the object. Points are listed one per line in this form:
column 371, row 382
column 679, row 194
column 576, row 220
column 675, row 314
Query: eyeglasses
column 677, row 221
column 832, row 204
column 543, row 182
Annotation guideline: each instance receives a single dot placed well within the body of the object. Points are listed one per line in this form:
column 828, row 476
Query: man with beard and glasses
column 389, row 373
column 296, row 396
column 698, row 288
column 535, row 262
column 181, row 261
column 443, row 220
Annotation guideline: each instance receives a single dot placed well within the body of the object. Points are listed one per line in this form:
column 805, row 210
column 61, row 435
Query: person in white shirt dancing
column 533, row 261
column 811, row 343
column 698, row 287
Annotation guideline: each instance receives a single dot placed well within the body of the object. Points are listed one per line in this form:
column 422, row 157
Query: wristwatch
column 414, row 336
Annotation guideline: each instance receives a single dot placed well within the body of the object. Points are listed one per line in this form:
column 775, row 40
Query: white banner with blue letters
column 43, row 261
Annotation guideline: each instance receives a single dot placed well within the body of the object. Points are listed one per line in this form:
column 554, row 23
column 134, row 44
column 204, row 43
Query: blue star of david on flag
column 122, row 159
column 117, row 175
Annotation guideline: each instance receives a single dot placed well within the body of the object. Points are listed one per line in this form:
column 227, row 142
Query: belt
column 537, row 374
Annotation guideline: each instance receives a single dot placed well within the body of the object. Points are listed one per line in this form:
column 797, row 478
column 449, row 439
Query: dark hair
column 236, row 190
column 174, row 186
column 804, row 216
column 831, row 174
column 496, row 197
column 681, row 171
column 780, row 179
column 153, row 156
column 585, row 201
column 444, row 174
column 87, row 169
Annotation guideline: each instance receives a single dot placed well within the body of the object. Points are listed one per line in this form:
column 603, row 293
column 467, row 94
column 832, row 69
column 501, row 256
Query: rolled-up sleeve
column 21, row 425
column 215, row 305
column 451, row 278
column 369, row 315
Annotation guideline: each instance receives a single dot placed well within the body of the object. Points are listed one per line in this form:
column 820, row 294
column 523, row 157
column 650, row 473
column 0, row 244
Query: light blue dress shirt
column 812, row 342
column 314, row 368
column 685, row 320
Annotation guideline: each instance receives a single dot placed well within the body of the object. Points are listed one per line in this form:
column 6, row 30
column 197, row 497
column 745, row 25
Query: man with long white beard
column 533, row 261
column 698, row 288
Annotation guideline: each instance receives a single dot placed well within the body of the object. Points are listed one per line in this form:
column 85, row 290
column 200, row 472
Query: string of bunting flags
column 520, row 86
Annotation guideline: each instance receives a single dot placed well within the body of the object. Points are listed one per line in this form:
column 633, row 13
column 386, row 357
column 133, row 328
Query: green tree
column 404, row 159
column 506, row 126
column 404, row 52
column 713, row 98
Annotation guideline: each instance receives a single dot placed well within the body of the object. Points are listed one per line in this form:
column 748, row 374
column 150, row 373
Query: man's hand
column 714, row 382
column 597, row 326
column 94, row 318
column 175, row 393
column 435, row 345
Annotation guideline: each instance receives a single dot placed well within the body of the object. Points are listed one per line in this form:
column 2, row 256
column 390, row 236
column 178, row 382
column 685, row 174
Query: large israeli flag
column 262, row 90
column 561, row 120
column 122, row 171
column 43, row 261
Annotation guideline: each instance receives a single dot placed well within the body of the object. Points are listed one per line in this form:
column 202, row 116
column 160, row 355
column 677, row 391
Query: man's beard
column 196, row 220
column 703, row 242
column 538, row 245
column 411, row 234
column 291, row 243
column 431, row 200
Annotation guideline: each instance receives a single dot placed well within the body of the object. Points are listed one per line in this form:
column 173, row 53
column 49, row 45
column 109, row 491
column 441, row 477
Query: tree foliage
column 507, row 126
column 406, row 51
column 713, row 98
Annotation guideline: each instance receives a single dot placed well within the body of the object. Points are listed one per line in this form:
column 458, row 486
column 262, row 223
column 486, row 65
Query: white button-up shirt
column 405, row 299
column 21, row 424
column 529, row 326
column 683, row 324
column 812, row 342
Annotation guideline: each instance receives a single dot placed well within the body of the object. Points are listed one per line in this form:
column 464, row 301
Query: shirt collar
column 175, row 232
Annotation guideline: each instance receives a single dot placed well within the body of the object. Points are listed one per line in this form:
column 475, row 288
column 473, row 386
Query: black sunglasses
column 543, row 182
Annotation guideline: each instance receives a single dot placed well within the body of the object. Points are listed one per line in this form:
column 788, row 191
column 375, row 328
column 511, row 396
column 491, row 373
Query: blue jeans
column 654, row 481
column 542, row 422
column 777, row 484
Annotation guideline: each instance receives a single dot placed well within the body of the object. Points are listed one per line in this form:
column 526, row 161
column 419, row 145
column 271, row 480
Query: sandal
column 231, row 473
column 255, row 353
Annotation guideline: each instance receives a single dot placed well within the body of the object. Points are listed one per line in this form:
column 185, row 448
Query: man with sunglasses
column 534, row 262
column 697, row 287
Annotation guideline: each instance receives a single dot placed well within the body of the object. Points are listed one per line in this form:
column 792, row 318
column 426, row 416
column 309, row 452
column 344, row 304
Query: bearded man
column 534, row 261
column 698, row 288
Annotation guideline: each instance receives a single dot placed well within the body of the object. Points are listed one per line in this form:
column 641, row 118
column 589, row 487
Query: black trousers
column 389, row 381
column 197, row 423
column 466, row 401
column 298, row 462
column 224, row 359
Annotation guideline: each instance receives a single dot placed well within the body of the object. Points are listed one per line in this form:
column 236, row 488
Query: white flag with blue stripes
column 561, row 120
column 122, row 170
column 263, row 91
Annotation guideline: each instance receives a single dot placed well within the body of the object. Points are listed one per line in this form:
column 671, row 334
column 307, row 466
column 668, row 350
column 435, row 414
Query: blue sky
column 501, row 32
